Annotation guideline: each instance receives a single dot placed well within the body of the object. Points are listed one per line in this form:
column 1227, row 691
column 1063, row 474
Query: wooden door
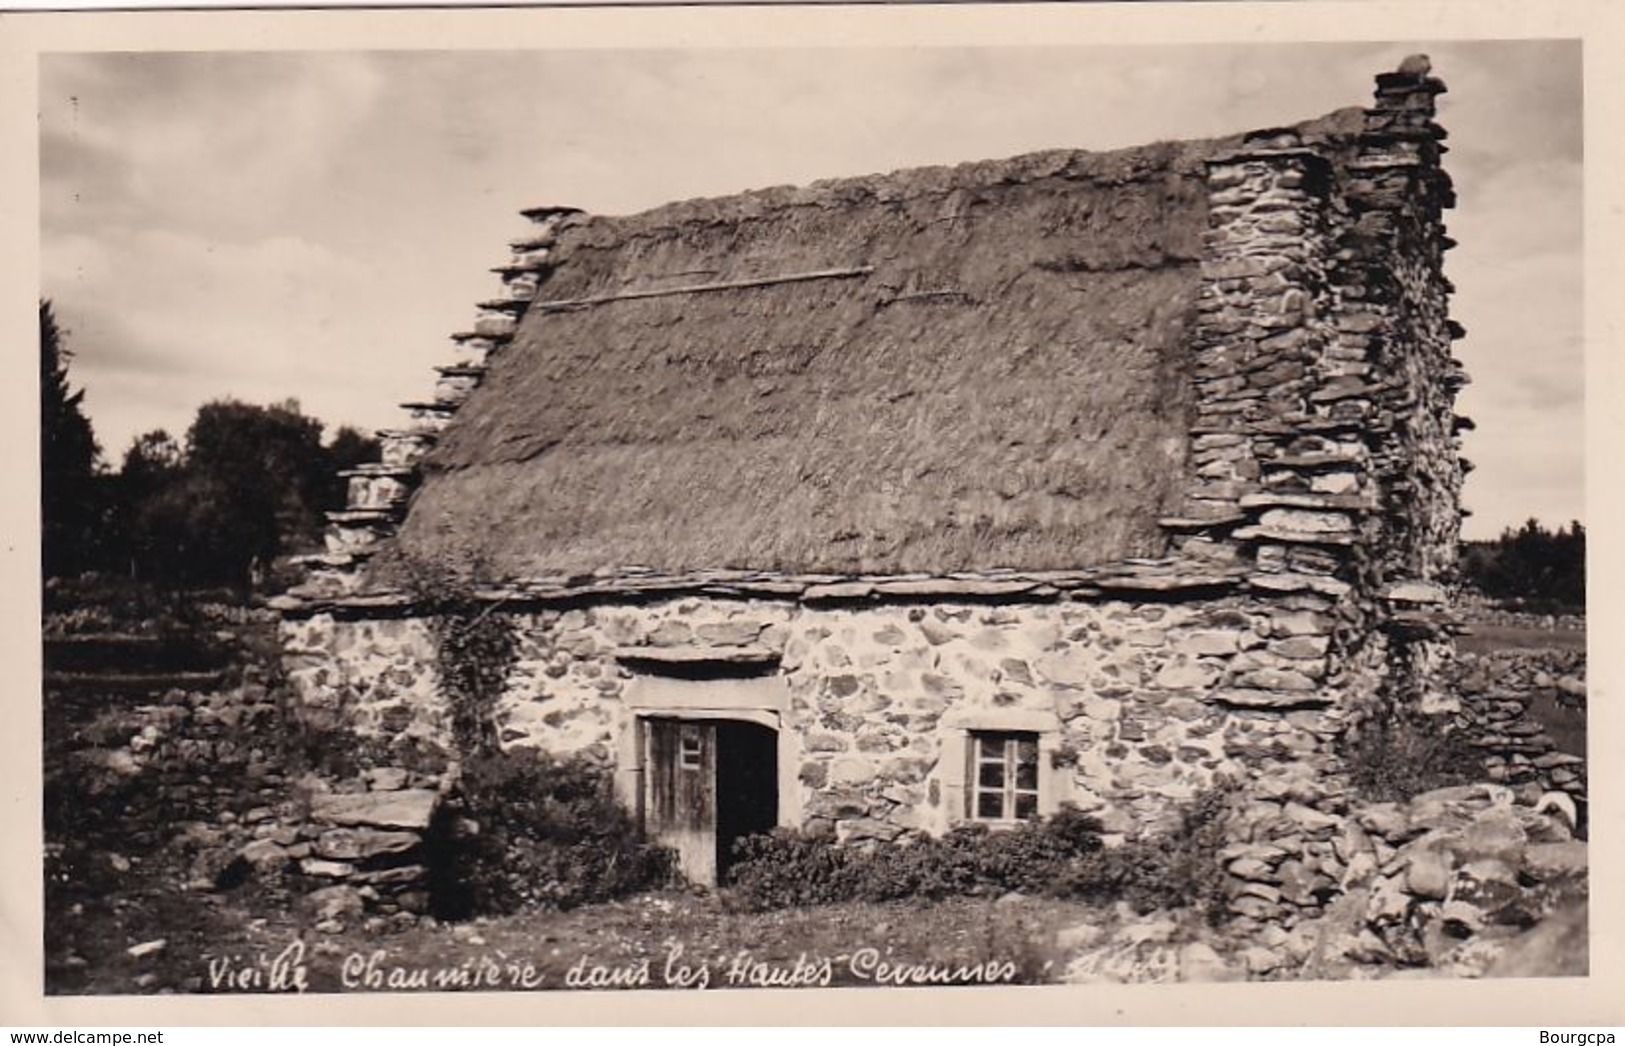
column 680, row 811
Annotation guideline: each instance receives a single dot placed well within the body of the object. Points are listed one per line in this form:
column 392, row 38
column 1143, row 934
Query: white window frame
column 956, row 737
column 1001, row 749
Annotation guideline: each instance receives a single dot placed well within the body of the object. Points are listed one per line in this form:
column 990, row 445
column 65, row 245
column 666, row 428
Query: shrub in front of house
column 791, row 868
column 524, row 830
column 1059, row 856
column 1176, row 868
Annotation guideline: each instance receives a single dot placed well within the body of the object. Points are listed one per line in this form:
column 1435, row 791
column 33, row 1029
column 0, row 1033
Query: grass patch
column 1394, row 757
column 524, row 830
column 657, row 933
column 1487, row 639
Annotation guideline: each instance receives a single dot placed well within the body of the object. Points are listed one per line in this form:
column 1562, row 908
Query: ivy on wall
column 474, row 651
column 476, row 644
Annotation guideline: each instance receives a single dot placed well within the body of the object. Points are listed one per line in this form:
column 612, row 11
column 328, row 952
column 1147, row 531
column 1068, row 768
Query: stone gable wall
column 1325, row 445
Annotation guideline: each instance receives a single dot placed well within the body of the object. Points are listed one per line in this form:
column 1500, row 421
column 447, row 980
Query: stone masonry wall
column 1325, row 446
column 1142, row 704
column 367, row 678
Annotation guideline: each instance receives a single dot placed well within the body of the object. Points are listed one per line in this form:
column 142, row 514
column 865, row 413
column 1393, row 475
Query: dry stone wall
column 354, row 850
column 1502, row 695
column 1456, row 882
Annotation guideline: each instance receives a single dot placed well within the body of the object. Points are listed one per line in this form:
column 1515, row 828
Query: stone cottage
column 948, row 495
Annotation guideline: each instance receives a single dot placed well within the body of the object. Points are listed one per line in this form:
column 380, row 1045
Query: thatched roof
column 1005, row 388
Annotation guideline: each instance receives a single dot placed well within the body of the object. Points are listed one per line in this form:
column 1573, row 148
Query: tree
column 249, row 484
column 150, row 534
column 69, row 494
column 1531, row 565
column 152, row 457
column 253, row 485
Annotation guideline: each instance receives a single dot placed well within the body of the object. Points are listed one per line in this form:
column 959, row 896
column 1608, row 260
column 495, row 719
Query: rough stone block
column 1428, row 873
column 408, row 808
column 1209, row 643
column 315, row 866
column 1549, row 861
column 850, row 770
column 353, row 844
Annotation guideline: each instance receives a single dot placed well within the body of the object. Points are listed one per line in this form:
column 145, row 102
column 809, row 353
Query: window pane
column 1004, row 773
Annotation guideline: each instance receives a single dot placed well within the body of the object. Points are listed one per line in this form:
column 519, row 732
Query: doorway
column 709, row 783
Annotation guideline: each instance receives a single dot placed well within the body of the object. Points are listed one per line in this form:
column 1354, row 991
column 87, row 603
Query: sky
column 313, row 225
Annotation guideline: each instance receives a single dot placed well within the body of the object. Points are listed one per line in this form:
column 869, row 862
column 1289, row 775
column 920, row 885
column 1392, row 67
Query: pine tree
column 68, row 461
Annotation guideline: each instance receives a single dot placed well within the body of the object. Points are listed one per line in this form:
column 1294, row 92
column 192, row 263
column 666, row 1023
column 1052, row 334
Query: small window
column 688, row 751
column 1003, row 776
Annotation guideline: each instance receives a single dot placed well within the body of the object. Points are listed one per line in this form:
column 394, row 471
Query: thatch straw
column 1007, row 389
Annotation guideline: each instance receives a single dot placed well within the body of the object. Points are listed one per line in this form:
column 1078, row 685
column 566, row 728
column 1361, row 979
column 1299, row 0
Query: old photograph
column 780, row 517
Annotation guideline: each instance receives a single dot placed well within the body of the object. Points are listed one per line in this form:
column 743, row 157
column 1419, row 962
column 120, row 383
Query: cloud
column 1512, row 101
column 218, row 143
column 195, row 319
column 1520, row 274
column 1530, row 465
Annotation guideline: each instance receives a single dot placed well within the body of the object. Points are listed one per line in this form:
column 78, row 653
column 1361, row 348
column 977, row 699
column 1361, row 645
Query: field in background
column 1484, row 639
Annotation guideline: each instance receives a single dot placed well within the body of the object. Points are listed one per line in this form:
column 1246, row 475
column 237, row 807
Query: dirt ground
column 217, row 943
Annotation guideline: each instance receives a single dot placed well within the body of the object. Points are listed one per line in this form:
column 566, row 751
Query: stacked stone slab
column 1457, row 882
column 352, row 851
column 172, row 741
column 1496, row 691
column 1324, row 450
column 380, row 491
